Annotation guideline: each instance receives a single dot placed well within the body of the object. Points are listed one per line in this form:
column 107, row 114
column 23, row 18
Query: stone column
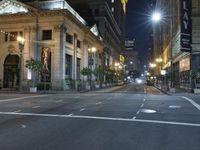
column 74, row 60
column 58, row 75
column 27, row 49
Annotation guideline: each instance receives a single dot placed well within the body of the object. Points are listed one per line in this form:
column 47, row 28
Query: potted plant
column 36, row 67
column 196, row 80
column 86, row 72
column 98, row 73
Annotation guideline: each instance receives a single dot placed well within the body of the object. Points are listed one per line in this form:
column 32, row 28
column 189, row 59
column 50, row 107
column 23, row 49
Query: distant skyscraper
column 131, row 58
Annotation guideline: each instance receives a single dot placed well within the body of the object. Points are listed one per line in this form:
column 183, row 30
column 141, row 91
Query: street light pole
column 21, row 46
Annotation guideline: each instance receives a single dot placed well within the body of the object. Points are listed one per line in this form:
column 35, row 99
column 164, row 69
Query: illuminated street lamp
column 159, row 60
column 20, row 40
column 156, row 17
column 152, row 65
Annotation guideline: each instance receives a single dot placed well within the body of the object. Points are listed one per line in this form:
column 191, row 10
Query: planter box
column 97, row 86
column 87, row 87
column 196, row 91
column 33, row 89
column 67, row 86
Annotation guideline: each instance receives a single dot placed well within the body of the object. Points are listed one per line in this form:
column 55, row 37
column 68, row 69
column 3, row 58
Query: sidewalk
column 70, row 91
column 178, row 91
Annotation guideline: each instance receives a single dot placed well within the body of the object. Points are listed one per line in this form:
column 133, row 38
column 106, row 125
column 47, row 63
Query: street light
column 152, row 65
column 159, row 60
column 156, row 17
column 91, row 62
column 20, row 40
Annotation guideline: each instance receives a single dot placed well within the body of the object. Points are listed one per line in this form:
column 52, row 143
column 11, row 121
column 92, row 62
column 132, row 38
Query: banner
column 186, row 26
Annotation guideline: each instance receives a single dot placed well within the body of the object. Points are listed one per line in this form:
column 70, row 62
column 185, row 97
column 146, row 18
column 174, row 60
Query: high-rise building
column 177, row 40
column 109, row 16
column 131, row 59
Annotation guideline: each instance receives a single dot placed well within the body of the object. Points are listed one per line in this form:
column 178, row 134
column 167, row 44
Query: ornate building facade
column 54, row 33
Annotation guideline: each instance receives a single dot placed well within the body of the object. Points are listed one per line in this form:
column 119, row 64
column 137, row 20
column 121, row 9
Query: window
column 78, row 68
column 112, row 1
column 69, row 38
column 96, row 12
column 89, row 12
column 13, row 36
column 47, row 35
column 68, row 65
column 6, row 37
column 78, row 44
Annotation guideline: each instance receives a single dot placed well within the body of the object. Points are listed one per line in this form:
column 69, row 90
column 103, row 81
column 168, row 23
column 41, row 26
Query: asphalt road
column 130, row 117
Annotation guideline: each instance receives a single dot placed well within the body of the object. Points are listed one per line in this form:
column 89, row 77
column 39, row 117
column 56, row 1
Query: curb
column 165, row 92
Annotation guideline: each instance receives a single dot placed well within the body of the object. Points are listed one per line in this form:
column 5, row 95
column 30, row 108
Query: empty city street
column 129, row 117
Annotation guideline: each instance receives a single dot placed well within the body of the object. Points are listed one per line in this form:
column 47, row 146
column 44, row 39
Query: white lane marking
column 17, row 111
column 103, row 118
column 148, row 111
column 142, row 105
column 192, row 102
column 174, row 106
column 134, row 117
column 138, row 112
column 21, row 98
column 98, row 103
column 144, row 99
column 23, row 126
column 34, row 107
column 58, row 101
column 82, row 109
column 70, row 114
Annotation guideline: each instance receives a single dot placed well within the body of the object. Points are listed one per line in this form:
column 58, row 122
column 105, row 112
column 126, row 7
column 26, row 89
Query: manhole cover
column 149, row 111
column 174, row 106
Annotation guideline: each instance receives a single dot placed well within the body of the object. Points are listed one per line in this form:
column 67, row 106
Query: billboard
column 186, row 26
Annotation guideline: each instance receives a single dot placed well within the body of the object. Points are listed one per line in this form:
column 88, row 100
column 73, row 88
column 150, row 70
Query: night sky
column 138, row 25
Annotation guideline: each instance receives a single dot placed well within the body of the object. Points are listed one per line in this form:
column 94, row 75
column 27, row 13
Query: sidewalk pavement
column 70, row 91
column 178, row 91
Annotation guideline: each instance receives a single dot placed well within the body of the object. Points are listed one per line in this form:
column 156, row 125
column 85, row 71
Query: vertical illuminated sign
column 186, row 25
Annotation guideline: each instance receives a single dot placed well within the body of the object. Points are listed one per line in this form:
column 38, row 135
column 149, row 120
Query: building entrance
column 11, row 72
